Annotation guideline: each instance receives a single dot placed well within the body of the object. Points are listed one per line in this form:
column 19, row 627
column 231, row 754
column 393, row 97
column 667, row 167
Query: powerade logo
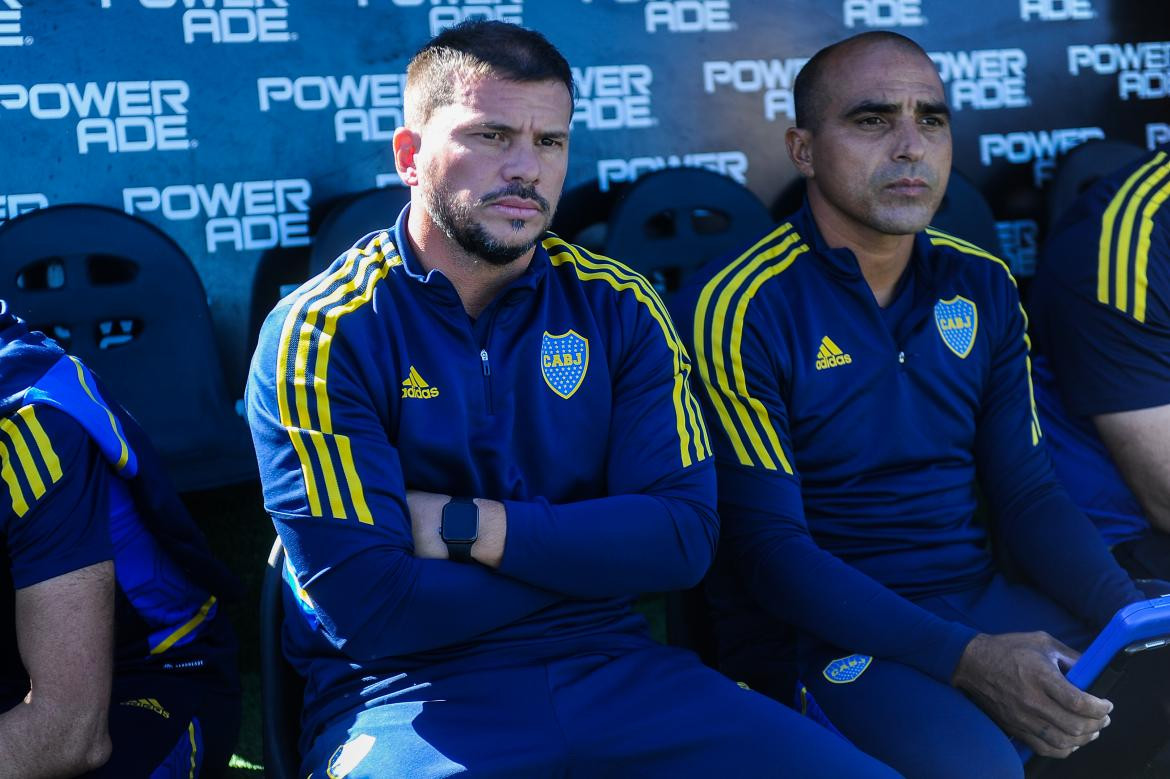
column 12, row 206
column 228, row 21
column 10, row 24
column 1057, row 10
column 684, row 16
column 447, row 13
column 241, row 215
column 613, row 97
column 115, row 116
column 1017, row 238
column 1157, row 133
column 1038, row 147
column 1142, row 69
column 883, row 13
column 774, row 78
column 985, row 78
column 365, row 108
column 730, row 163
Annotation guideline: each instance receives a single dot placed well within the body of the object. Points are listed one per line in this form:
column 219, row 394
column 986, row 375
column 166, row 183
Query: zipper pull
column 483, row 358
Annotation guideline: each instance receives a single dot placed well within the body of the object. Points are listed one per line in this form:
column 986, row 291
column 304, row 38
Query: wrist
column 493, row 531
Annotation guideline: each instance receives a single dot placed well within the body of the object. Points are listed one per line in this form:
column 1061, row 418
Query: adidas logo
column 830, row 355
column 151, row 704
column 413, row 386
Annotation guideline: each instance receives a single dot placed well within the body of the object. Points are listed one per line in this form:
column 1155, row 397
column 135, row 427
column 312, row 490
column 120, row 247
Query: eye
column 871, row 121
column 554, row 143
column 490, row 135
column 934, row 121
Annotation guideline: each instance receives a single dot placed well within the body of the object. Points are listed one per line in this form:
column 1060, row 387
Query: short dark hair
column 480, row 48
column 808, row 92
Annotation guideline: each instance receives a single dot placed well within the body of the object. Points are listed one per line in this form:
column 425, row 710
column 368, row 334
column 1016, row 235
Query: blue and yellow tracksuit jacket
column 567, row 399
column 849, row 439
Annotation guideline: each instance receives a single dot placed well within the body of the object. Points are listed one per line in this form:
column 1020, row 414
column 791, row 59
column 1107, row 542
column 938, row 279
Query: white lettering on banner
column 773, row 77
column 1041, row 148
column 256, row 215
column 366, row 107
column 1018, row 240
column 613, row 97
column 447, row 13
column 132, row 116
column 1142, row 69
column 12, row 206
column 229, row 21
column 681, row 16
column 10, row 34
column 729, row 163
column 1057, row 10
column 883, row 13
column 1157, row 133
column 985, row 78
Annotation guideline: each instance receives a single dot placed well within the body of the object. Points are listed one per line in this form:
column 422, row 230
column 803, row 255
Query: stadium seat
column 120, row 294
column 583, row 212
column 671, row 221
column 281, row 690
column 352, row 218
column 965, row 213
column 1080, row 169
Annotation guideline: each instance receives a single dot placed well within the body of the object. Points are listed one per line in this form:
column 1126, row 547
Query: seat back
column 120, row 294
column 966, row 214
column 1082, row 167
column 281, row 689
column 670, row 222
column 353, row 217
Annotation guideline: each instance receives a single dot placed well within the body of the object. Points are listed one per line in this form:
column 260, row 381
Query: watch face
column 460, row 522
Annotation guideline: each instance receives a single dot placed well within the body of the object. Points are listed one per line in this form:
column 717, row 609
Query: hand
column 1017, row 679
column 426, row 518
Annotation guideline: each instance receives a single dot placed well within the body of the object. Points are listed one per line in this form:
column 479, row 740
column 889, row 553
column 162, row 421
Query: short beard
column 456, row 220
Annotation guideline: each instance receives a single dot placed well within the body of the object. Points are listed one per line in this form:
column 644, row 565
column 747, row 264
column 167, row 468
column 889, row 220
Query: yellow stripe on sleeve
column 715, row 369
column 15, row 493
column 124, row 448
column 1142, row 252
column 42, row 440
column 27, row 464
column 1108, row 222
column 1125, row 235
column 185, row 628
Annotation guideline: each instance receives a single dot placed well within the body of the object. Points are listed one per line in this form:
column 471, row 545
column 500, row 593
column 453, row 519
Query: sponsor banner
column 238, row 215
column 1142, row 69
column 10, row 24
column 613, row 97
column 733, row 164
column 12, row 206
column 442, row 14
column 1057, row 10
column 689, row 16
column 1157, row 133
column 226, row 21
column 883, row 13
column 1018, row 239
column 773, row 79
column 1038, row 148
column 984, row 78
column 365, row 108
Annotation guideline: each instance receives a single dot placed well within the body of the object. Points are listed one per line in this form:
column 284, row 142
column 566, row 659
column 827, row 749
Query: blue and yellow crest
column 846, row 669
column 958, row 322
column 563, row 361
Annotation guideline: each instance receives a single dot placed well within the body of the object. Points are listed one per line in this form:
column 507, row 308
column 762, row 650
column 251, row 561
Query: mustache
column 525, row 191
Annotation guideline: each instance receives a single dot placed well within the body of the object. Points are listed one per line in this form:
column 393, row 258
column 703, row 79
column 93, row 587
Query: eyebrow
column 888, row 109
column 558, row 135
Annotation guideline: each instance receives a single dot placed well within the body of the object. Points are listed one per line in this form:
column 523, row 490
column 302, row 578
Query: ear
column 799, row 143
column 406, row 145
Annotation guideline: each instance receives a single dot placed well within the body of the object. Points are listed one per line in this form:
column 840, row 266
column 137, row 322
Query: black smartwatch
column 460, row 528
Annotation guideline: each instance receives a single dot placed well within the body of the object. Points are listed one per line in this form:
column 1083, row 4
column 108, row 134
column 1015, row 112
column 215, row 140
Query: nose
column 522, row 163
column 909, row 144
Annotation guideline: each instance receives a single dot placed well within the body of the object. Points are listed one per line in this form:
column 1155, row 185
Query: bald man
column 861, row 371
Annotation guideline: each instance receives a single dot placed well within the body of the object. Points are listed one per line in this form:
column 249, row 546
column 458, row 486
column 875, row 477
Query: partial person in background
column 862, row 372
column 114, row 658
column 1100, row 308
column 478, row 444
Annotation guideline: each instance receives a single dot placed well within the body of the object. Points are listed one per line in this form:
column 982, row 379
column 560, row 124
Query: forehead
column 495, row 100
column 884, row 72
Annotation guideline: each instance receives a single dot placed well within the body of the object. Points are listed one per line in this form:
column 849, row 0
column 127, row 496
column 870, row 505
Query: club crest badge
column 846, row 669
column 958, row 322
column 564, row 359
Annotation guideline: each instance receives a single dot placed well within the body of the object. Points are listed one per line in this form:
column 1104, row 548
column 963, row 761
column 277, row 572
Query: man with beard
column 478, row 443
column 861, row 369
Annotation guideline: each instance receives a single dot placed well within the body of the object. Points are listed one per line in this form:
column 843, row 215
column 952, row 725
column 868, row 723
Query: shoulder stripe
column 20, row 461
column 302, row 373
column 720, row 363
column 123, row 447
column 939, row 238
column 694, row 444
column 1116, row 248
